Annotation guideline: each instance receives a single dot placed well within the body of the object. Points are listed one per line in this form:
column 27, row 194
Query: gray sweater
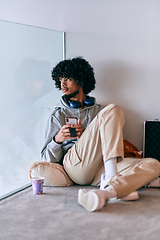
column 52, row 151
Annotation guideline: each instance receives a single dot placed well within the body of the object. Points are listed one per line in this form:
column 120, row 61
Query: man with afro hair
column 94, row 155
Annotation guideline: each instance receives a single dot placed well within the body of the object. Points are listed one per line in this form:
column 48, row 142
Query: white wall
column 120, row 38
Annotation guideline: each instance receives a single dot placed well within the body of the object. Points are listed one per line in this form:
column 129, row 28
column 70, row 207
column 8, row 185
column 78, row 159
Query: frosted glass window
column 27, row 97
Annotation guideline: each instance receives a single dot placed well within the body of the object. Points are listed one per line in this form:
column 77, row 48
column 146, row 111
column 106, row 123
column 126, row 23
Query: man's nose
column 63, row 83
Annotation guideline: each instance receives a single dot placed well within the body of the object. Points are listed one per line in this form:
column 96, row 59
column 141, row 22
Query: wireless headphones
column 88, row 102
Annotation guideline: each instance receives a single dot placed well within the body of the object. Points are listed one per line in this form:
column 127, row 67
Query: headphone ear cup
column 74, row 104
column 89, row 101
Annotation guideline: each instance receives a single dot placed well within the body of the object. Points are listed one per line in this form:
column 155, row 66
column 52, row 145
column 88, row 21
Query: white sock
column 111, row 192
column 110, row 168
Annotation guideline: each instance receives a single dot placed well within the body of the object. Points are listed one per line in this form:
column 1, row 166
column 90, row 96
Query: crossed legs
column 102, row 141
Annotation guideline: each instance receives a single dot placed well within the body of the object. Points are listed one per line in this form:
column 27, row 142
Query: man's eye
column 65, row 79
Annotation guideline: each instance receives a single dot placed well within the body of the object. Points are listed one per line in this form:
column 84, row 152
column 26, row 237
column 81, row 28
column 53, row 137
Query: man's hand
column 64, row 133
column 79, row 128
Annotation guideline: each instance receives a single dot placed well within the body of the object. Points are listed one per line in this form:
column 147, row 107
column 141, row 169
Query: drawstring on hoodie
column 87, row 116
column 79, row 113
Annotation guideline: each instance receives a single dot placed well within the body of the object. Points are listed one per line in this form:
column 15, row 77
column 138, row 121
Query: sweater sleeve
column 52, row 151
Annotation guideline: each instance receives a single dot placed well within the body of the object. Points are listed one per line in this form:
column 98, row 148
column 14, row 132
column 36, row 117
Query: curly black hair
column 78, row 69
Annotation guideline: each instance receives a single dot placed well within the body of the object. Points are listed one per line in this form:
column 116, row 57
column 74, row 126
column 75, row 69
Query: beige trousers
column 102, row 140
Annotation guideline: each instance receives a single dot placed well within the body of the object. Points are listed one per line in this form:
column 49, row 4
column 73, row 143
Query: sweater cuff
column 54, row 145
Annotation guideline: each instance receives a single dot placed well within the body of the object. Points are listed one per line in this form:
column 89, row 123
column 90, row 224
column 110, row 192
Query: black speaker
column 151, row 139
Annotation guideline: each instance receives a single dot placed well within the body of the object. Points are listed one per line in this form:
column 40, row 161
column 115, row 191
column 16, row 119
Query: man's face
column 69, row 86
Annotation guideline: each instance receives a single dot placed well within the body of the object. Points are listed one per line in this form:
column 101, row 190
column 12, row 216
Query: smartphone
column 71, row 121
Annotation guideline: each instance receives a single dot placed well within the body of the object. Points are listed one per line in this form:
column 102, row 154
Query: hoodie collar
column 63, row 104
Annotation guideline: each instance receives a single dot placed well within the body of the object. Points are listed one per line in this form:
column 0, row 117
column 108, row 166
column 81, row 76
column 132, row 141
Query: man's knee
column 112, row 110
column 152, row 164
column 152, row 161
